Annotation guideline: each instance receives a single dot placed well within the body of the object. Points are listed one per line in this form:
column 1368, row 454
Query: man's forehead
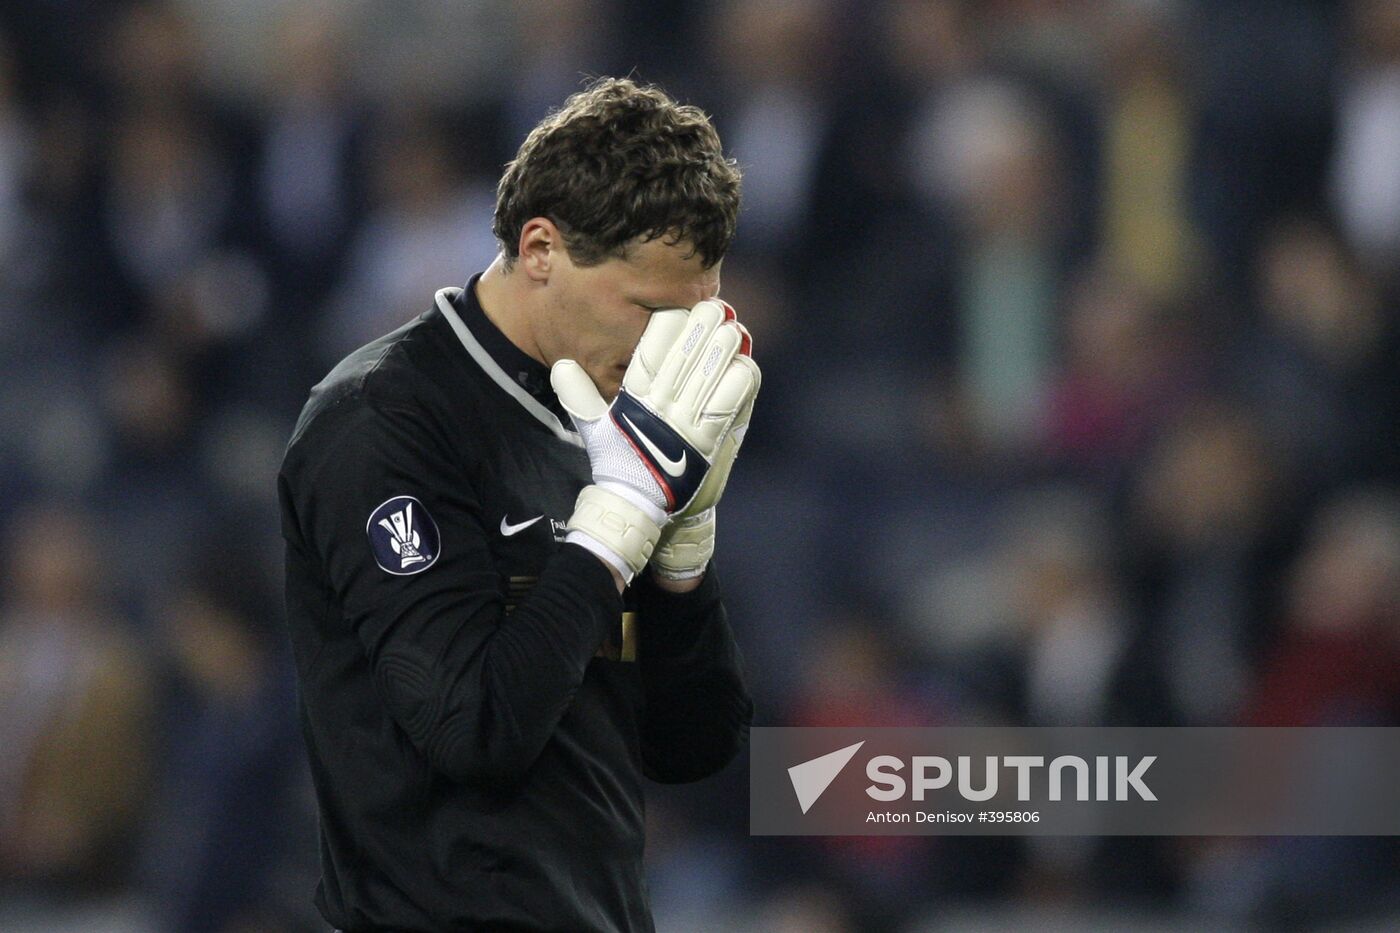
column 664, row 264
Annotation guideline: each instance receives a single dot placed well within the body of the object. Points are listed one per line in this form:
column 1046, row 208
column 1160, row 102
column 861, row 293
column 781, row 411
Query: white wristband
column 602, row 551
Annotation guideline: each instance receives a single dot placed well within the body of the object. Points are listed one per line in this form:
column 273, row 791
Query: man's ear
column 540, row 245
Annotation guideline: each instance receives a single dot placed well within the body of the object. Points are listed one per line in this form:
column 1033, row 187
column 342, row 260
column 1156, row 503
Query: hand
column 652, row 448
column 688, row 542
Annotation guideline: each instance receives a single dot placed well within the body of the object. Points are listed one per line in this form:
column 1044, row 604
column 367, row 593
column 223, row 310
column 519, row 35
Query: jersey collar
column 532, row 375
column 523, row 378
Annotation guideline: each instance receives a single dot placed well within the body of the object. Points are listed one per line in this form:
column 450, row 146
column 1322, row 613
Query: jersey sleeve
column 393, row 521
column 698, row 710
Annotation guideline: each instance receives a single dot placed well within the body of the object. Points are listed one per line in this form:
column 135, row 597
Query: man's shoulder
column 406, row 371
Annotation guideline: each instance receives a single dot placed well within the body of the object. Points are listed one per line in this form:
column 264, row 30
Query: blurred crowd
column 1080, row 327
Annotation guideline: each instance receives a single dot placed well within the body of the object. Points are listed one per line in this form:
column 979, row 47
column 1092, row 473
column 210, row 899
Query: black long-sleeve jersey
column 479, row 704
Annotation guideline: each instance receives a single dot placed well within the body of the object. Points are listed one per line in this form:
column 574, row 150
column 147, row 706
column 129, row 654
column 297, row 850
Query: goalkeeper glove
column 688, row 542
column 652, row 448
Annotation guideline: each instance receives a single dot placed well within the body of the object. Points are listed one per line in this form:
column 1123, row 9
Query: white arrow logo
column 811, row 778
column 508, row 530
column 672, row 467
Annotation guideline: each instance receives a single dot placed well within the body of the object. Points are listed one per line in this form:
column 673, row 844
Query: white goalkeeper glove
column 688, row 542
column 652, row 448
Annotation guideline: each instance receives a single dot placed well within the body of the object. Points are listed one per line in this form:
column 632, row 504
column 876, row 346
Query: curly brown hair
column 620, row 161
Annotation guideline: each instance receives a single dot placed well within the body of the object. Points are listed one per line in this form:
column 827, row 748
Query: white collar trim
column 493, row 369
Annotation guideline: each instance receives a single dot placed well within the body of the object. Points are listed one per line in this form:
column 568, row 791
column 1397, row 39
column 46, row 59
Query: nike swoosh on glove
column 651, row 449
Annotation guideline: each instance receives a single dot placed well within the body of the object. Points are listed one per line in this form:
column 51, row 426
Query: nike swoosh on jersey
column 672, row 467
column 508, row 529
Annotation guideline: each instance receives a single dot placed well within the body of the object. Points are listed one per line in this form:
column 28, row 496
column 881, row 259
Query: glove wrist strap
column 616, row 529
column 686, row 548
column 634, row 496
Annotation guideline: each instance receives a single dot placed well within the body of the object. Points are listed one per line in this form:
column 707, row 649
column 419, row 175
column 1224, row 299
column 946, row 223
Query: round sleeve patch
column 403, row 536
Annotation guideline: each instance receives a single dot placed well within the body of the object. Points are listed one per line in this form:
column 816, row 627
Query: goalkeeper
column 499, row 520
